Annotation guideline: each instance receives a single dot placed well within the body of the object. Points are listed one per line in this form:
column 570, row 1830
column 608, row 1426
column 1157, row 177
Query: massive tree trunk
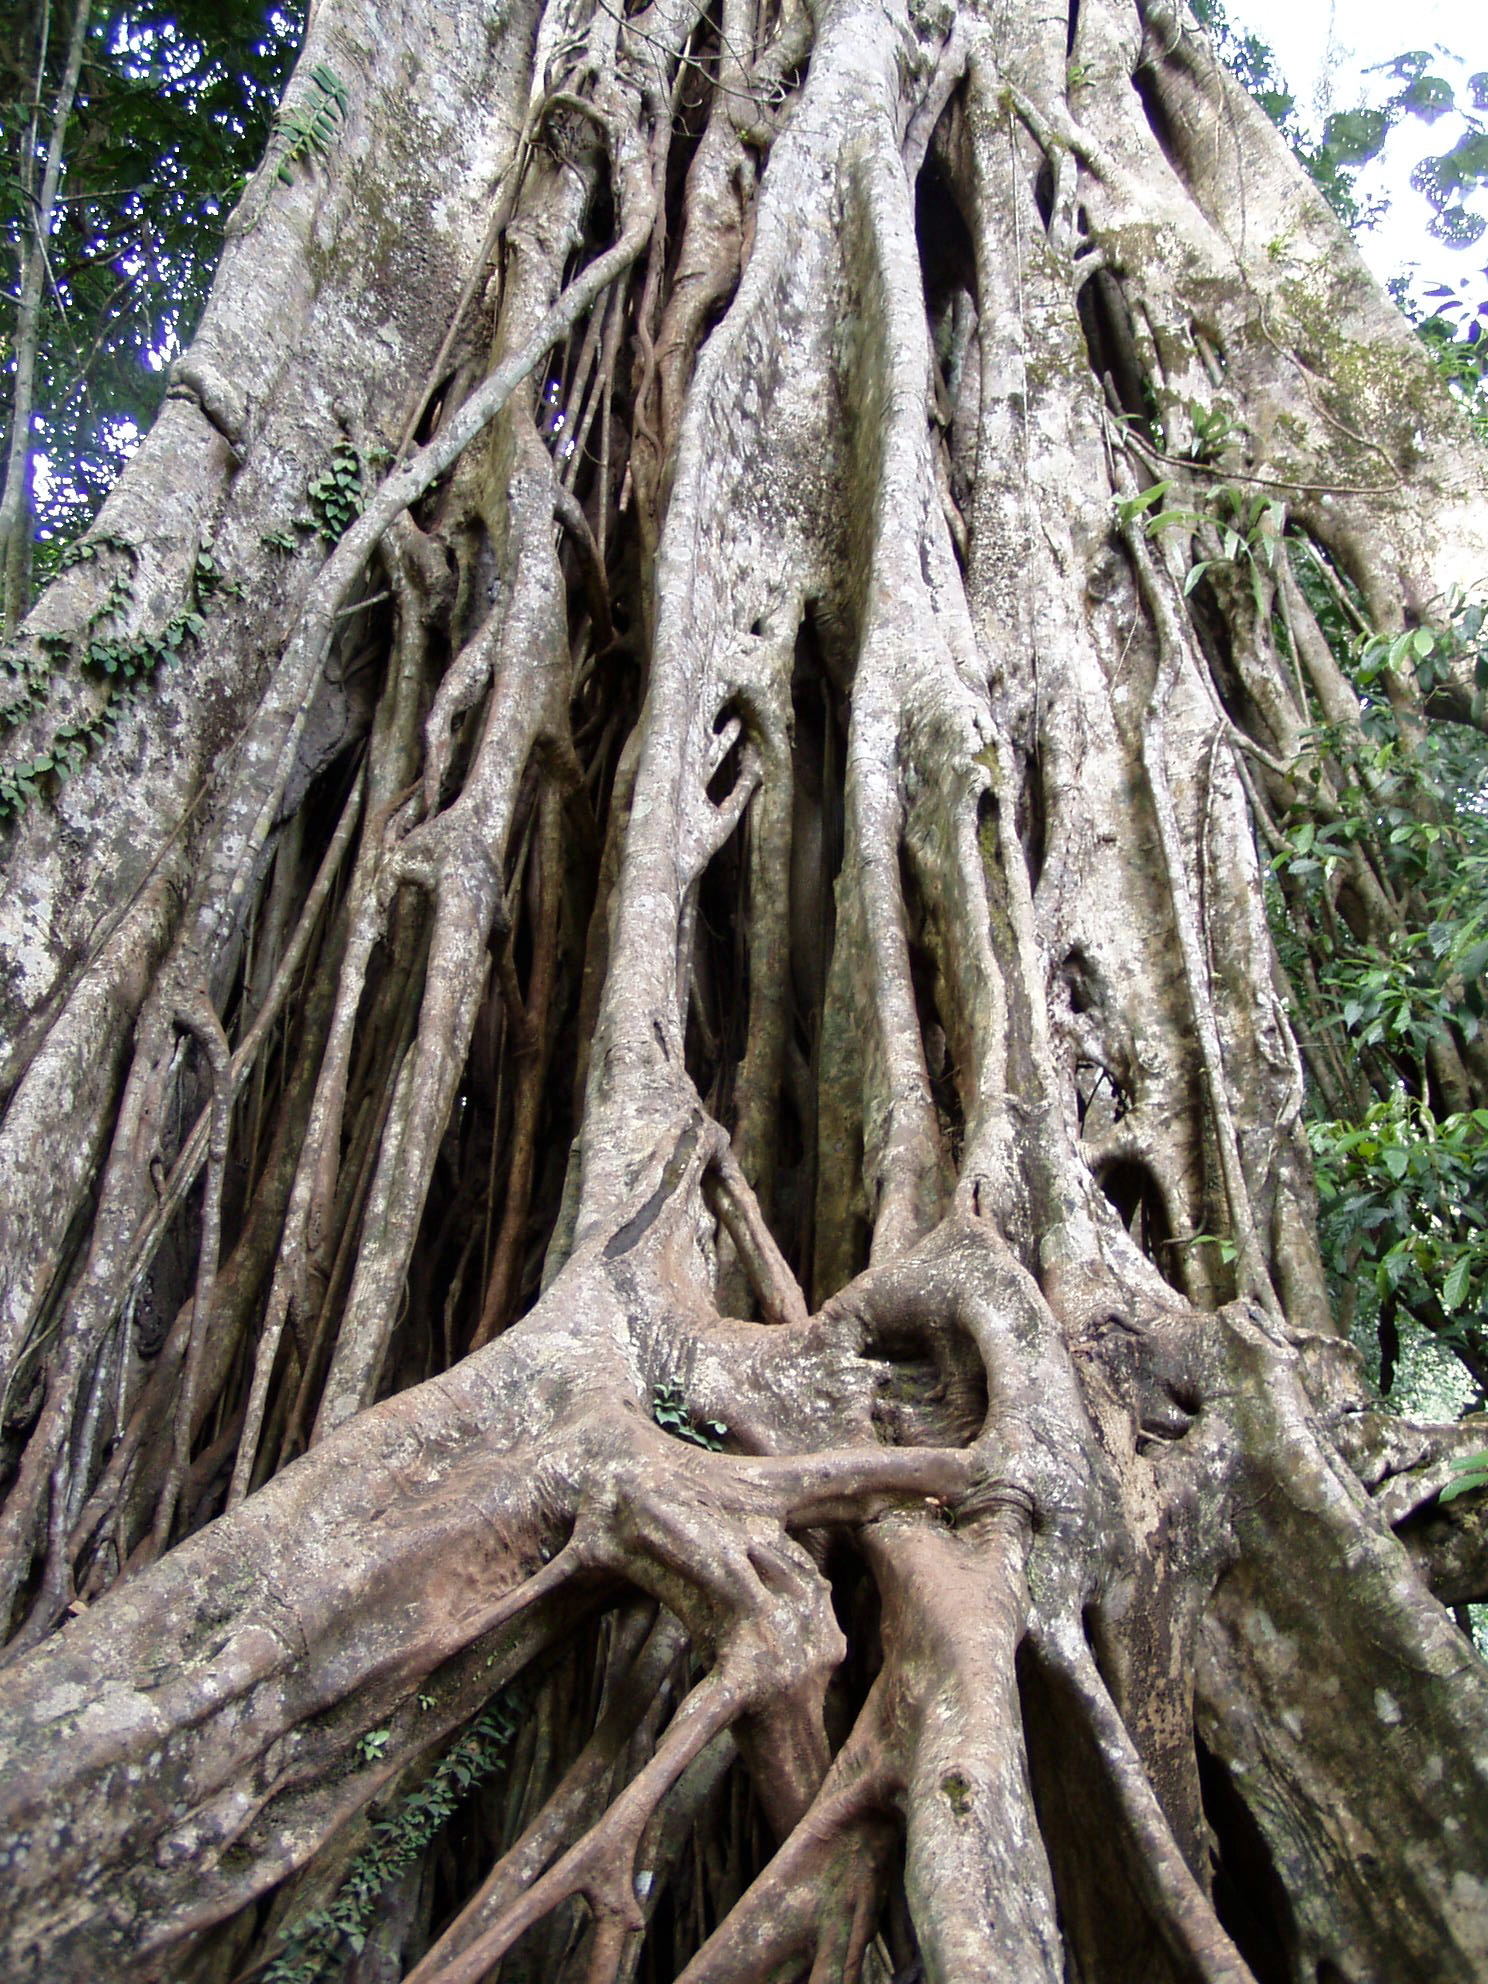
column 660, row 1308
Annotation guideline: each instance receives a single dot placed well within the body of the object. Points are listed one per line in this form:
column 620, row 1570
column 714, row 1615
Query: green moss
column 1379, row 386
column 1056, row 362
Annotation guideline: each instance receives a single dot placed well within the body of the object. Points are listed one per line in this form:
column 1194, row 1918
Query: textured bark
column 615, row 1088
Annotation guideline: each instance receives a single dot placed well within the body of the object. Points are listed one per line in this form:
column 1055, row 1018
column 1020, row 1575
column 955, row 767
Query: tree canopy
column 171, row 111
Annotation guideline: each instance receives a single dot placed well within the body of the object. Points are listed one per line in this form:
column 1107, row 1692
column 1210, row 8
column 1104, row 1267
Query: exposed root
column 691, row 1179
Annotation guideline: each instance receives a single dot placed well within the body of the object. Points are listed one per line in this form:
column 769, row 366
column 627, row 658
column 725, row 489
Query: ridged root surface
column 623, row 1093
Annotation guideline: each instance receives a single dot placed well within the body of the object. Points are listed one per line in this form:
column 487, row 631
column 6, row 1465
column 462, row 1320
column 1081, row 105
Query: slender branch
column 15, row 501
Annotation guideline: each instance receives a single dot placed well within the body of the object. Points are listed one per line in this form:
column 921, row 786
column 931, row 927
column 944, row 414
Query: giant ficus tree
column 659, row 1305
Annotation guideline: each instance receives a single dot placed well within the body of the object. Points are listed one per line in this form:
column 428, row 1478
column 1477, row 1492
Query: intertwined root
column 1032, row 1634
column 810, row 792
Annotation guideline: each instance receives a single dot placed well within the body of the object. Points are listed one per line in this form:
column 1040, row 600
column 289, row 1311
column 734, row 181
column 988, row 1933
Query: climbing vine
column 337, row 494
column 122, row 662
column 311, row 128
column 319, row 1942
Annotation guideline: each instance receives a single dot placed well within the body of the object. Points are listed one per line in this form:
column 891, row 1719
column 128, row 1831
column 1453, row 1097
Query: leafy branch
column 1250, row 528
column 1471, row 1476
column 1402, row 1178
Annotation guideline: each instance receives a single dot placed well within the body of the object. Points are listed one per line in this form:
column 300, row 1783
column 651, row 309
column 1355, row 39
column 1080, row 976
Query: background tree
column 126, row 128
column 642, row 1045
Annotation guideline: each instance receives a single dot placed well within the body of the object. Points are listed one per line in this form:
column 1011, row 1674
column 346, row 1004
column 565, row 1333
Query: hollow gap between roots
column 1110, row 343
column 722, row 1853
column 464, row 1208
column 433, row 413
column 933, row 1386
column 169, row 1283
column 1043, row 193
column 1100, row 1103
column 600, row 226
column 718, row 995
column 392, row 991
column 947, row 261
column 694, row 99
column 1216, row 638
column 859, row 1613
column 559, row 1712
column 1031, row 818
column 707, row 1846
column 1133, row 1190
column 819, row 712
column 1249, row 1896
column 940, row 1059
column 1159, row 122
column 21, row 1404
column 1105, row 1925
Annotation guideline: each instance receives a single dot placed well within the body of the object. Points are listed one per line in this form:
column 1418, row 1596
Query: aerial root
column 310, row 1216
column 255, row 802
column 108, row 1289
column 601, row 1865
column 187, row 1167
column 767, row 948
column 200, row 1019
column 639, row 1677
column 820, row 1890
column 249, row 809
column 853, row 1484
column 1171, row 651
column 570, row 514
column 778, row 1292
column 1177, row 1905
column 458, row 856
column 125, row 1489
column 716, row 822
column 537, row 1033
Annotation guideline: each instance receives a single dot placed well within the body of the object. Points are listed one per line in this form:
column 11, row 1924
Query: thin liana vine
column 318, row 1944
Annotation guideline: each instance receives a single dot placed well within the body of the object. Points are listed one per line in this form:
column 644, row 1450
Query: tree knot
column 993, row 1498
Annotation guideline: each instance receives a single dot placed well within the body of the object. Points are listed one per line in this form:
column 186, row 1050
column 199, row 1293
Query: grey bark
column 1039, row 1610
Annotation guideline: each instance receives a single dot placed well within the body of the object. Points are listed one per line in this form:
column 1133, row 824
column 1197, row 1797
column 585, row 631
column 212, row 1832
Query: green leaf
column 1471, row 1471
column 1454, row 1288
column 1131, row 507
column 1427, row 97
column 1353, row 137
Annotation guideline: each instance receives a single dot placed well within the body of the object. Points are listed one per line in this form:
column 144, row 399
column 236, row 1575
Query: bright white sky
column 1325, row 49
